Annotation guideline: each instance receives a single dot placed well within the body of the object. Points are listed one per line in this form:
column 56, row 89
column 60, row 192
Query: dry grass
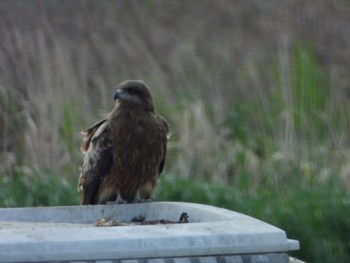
column 207, row 63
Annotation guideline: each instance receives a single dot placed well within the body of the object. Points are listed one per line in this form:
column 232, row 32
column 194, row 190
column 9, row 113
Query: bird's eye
column 132, row 91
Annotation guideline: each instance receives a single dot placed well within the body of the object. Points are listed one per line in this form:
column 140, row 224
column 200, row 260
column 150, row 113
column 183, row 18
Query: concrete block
column 68, row 233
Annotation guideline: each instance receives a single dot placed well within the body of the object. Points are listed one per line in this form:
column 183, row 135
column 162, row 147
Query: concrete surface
column 69, row 233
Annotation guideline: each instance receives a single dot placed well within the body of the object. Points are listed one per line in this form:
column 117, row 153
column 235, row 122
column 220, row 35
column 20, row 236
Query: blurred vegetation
column 256, row 94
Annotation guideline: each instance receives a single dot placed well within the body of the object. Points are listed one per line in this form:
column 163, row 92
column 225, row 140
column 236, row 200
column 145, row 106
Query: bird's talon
column 139, row 199
column 117, row 201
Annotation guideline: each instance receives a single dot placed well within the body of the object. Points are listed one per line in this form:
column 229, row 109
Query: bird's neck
column 128, row 111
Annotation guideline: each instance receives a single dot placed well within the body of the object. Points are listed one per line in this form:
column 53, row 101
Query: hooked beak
column 118, row 94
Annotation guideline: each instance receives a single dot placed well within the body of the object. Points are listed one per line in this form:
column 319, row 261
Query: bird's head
column 135, row 93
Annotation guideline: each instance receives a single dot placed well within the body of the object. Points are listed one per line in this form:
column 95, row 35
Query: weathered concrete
column 68, row 233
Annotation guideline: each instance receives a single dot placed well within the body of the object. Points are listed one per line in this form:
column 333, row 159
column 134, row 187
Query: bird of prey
column 124, row 153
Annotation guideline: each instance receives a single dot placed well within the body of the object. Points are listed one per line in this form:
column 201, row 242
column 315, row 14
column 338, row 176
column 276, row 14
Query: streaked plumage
column 125, row 153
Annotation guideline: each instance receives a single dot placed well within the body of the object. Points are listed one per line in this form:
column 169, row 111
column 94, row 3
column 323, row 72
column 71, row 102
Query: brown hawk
column 124, row 153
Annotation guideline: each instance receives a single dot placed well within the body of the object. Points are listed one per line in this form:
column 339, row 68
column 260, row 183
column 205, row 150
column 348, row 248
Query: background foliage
column 256, row 94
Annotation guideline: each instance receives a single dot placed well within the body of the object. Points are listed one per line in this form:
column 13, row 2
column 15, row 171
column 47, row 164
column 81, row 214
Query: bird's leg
column 119, row 200
column 139, row 199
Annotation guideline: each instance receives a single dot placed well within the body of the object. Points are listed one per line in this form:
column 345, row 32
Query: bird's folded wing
column 97, row 163
column 88, row 133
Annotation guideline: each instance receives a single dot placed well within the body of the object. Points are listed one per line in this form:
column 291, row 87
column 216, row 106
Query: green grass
column 317, row 216
column 25, row 188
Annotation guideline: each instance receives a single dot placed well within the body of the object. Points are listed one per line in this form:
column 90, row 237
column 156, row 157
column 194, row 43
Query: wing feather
column 97, row 162
column 165, row 125
column 89, row 133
